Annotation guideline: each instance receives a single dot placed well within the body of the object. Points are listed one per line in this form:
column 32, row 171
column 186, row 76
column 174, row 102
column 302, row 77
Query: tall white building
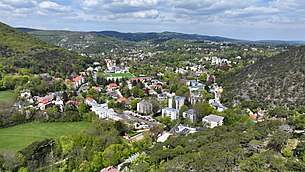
column 144, row 107
column 178, row 100
column 171, row 112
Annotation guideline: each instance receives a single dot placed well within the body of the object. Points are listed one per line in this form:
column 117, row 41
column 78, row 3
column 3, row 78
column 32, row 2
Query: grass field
column 7, row 97
column 20, row 136
column 121, row 75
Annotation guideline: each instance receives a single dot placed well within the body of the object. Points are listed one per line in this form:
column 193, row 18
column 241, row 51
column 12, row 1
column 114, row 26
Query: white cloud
column 146, row 14
column 20, row 3
column 52, row 6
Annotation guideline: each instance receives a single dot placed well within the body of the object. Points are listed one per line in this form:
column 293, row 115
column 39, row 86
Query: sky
column 240, row 19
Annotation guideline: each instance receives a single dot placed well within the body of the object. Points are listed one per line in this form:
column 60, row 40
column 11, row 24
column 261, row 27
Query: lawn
column 7, row 97
column 20, row 136
column 122, row 75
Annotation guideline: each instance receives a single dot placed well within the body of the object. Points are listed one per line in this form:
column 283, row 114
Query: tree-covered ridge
column 81, row 42
column 24, row 54
column 276, row 81
column 19, row 41
column 265, row 146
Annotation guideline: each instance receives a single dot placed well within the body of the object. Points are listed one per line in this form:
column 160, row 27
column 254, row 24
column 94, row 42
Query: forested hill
column 276, row 81
column 80, row 42
column 25, row 54
column 161, row 37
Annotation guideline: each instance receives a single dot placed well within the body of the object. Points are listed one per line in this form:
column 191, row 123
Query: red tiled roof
column 253, row 116
column 135, row 79
column 122, row 99
column 73, row 101
column 77, row 79
column 95, row 87
column 113, row 85
column 45, row 100
column 89, row 99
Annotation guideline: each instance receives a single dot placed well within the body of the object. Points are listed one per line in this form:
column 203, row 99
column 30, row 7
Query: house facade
column 78, row 81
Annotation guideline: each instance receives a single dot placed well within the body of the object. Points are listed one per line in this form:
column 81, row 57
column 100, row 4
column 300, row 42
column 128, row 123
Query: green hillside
column 25, row 54
column 276, row 81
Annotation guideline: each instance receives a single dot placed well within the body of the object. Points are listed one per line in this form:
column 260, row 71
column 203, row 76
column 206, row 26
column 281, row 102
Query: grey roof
column 171, row 109
column 23, row 91
column 180, row 129
column 145, row 102
column 190, row 111
column 214, row 118
column 179, row 98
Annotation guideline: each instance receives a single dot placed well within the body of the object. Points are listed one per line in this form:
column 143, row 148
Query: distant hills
column 161, row 37
column 153, row 37
column 276, row 81
column 81, row 42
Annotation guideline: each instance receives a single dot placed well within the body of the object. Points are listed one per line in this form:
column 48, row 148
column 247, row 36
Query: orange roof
column 73, row 101
column 151, row 91
column 95, row 87
column 77, row 79
column 253, row 116
column 44, row 100
column 89, row 99
column 135, row 79
column 113, row 85
column 122, row 99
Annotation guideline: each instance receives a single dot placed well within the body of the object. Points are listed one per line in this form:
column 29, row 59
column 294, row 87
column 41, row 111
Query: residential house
column 144, row 107
column 90, row 101
column 213, row 120
column 180, row 129
column 162, row 97
column 192, row 83
column 98, row 89
column 191, row 115
column 44, row 102
column 59, row 102
column 25, row 94
column 78, row 81
column 75, row 103
column 171, row 112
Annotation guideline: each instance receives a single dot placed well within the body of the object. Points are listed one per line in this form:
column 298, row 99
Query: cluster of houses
column 41, row 103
